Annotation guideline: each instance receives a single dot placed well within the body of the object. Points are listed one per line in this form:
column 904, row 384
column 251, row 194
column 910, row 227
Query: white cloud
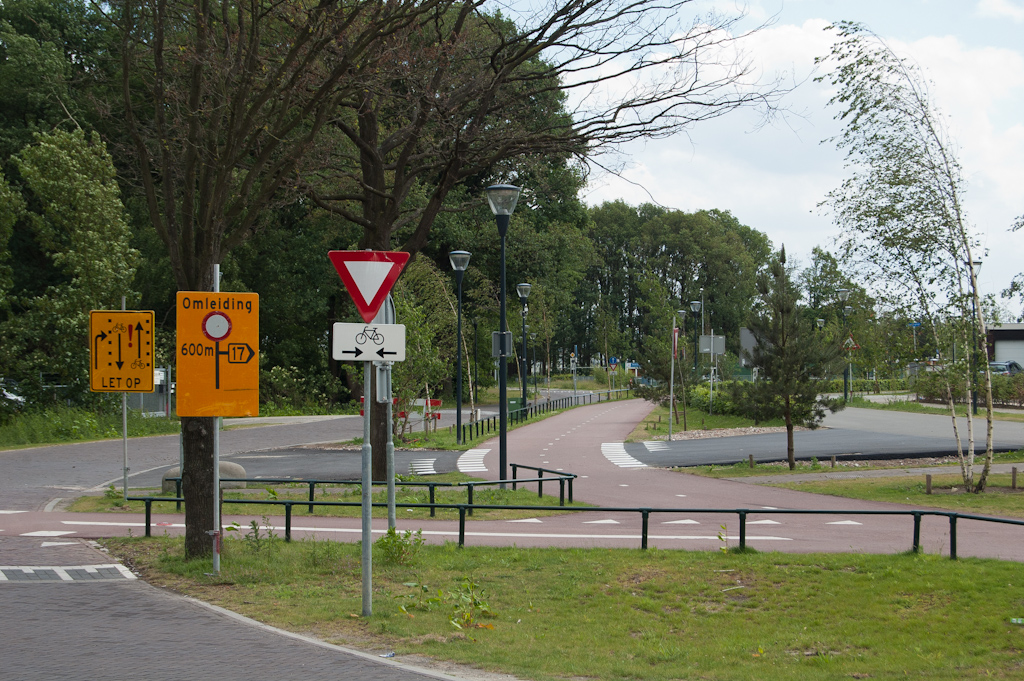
column 1001, row 9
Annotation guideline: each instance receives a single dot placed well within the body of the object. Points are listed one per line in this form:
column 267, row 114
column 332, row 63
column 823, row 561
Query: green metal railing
column 645, row 513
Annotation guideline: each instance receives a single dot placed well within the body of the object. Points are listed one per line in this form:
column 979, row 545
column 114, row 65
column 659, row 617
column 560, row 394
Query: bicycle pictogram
column 370, row 333
column 118, row 328
column 139, row 364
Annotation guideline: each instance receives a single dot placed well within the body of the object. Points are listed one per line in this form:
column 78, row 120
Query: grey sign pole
column 367, row 497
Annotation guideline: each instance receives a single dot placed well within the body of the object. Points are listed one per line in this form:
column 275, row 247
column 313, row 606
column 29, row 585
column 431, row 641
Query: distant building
column 1006, row 342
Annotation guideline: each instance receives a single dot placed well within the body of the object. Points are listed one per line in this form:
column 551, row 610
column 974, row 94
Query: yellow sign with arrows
column 121, row 351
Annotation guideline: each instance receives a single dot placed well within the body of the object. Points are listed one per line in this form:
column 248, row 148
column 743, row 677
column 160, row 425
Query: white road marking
column 606, row 521
column 9, row 512
column 845, row 522
column 680, row 495
column 422, row 467
column 473, row 461
column 681, row 522
column 656, row 446
column 47, row 544
column 48, row 533
column 616, row 453
column 763, row 522
column 527, row 520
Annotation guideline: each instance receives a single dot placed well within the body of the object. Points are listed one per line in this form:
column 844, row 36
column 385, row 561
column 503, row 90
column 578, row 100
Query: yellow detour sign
column 218, row 345
column 121, row 351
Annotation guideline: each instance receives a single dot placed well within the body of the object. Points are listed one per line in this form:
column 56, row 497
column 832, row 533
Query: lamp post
column 695, row 307
column 524, row 292
column 672, row 372
column 975, row 270
column 533, row 342
column 476, row 364
column 459, row 261
column 821, row 323
column 844, row 295
column 502, row 199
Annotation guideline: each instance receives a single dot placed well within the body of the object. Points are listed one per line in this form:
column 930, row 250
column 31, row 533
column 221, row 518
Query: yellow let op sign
column 121, row 351
column 218, row 345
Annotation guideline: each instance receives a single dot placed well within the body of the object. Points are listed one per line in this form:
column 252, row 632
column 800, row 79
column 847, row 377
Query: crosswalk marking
column 616, row 453
column 473, row 461
column 656, row 445
column 422, row 467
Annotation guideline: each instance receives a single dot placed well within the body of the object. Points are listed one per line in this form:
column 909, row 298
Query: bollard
column 833, row 461
column 149, row 515
column 743, row 530
column 952, row 536
column 1013, row 478
column 928, row 484
column 287, row 521
column 462, row 526
column 751, row 460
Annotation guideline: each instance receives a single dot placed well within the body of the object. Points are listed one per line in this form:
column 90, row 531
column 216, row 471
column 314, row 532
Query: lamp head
column 524, row 292
column 459, row 260
column 820, row 322
column 847, row 310
column 695, row 306
column 843, row 293
column 502, row 198
column 976, row 267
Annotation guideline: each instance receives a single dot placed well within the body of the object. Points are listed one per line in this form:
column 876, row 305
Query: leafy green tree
column 901, row 211
column 73, row 219
column 792, row 358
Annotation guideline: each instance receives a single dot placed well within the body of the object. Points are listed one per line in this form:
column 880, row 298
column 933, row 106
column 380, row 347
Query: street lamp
column 844, row 295
column 695, row 307
column 459, row 261
column 821, row 323
column 502, row 199
column 672, row 371
column 524, row 292
column 975, row 270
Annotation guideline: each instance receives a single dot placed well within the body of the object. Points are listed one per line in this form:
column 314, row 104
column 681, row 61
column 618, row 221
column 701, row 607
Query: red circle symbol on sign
column 216, row 326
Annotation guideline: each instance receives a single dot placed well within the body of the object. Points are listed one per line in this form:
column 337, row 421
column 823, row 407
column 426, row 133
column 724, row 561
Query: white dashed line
column 422, row 467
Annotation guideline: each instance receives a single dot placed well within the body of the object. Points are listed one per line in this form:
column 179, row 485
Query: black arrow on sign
column 382, row 352
column 119, row 362
column 102, row 335
column 355, row 352
column 138, row 330
column 236, row 353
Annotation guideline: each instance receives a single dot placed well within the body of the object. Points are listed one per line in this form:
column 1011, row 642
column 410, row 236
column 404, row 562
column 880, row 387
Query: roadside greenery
column 655, row 425
column 624, row 614
column 73, row 424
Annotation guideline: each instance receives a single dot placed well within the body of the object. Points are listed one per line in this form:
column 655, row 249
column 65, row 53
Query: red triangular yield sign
column 368, row 276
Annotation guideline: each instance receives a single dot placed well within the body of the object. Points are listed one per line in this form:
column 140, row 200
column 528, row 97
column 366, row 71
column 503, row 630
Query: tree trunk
column 197, row 484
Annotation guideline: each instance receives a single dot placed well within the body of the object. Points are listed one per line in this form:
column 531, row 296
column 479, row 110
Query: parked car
column 1005, row 368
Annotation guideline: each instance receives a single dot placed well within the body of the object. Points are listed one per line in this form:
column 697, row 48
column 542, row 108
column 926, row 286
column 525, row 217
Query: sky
column 773, row 177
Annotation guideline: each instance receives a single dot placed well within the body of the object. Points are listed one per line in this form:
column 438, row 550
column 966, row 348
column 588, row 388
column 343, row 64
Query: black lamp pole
column 695, row 306
column 502, row 199
column 459, row 261
column 524, row 292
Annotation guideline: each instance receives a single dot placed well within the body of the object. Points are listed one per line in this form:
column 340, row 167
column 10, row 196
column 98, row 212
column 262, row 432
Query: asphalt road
column 851, row 433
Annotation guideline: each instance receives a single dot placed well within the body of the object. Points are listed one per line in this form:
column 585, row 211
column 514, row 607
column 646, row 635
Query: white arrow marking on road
column 607, row 521
column 763, row 522
column 527, row 520
column 845, row 522
column 681, row 522
column 47, row 533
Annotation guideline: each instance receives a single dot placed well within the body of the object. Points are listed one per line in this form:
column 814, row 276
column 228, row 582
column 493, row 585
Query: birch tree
column 901, row 209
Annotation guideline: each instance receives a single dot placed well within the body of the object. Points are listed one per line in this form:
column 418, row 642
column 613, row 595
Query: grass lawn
column 930, row 408
column 655, row 426
column 947, row 493
column 626, row 614
column 112, row 501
